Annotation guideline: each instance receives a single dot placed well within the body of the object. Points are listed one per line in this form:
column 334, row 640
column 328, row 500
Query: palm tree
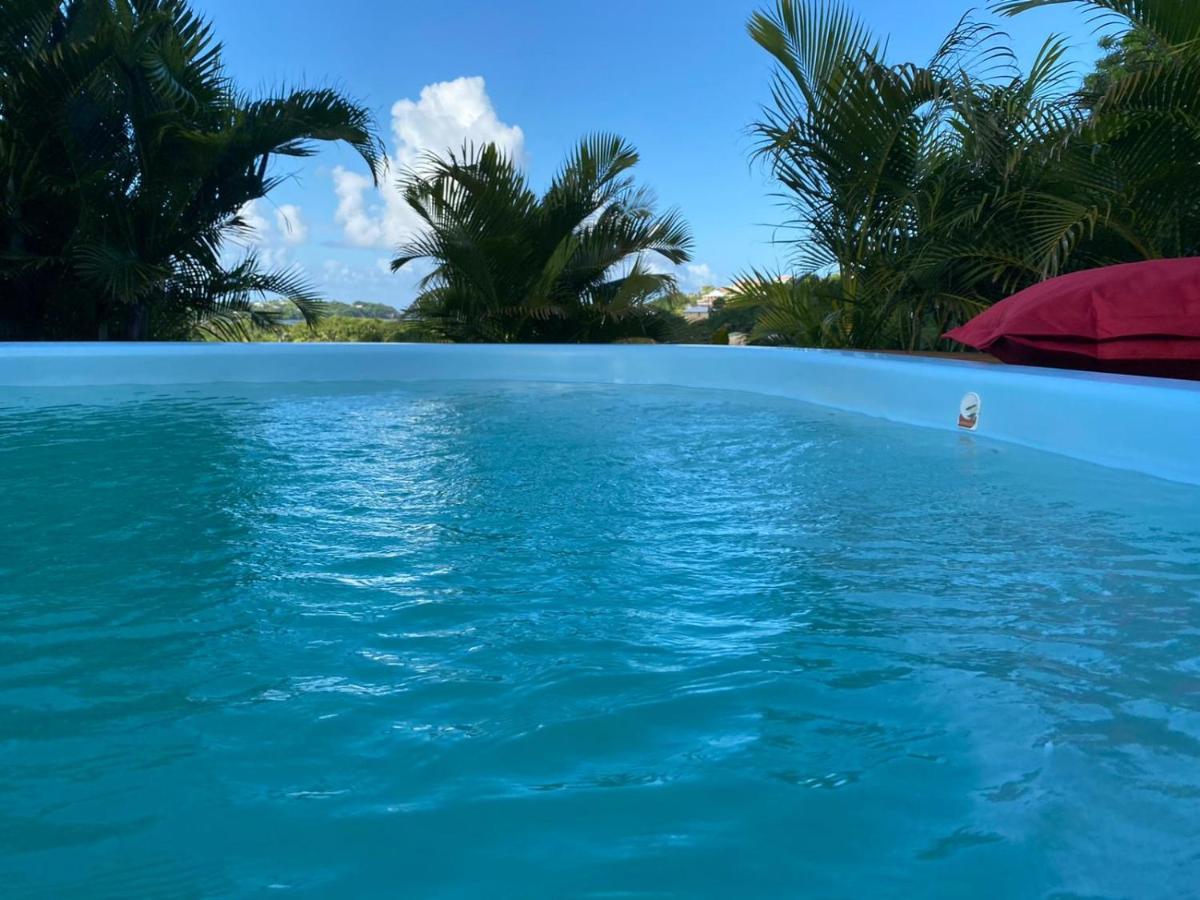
column 576, row 264
column 807, row 311
column 1137, row 150
column 126, row 155
column 934, row 190
column 894, row 173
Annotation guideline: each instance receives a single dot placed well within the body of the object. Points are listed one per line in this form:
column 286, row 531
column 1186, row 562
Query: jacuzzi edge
column 1142, row 424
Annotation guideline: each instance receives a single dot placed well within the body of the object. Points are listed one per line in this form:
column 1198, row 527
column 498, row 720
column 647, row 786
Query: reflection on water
column 560, row 641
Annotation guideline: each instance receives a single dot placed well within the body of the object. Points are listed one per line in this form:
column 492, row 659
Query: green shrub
column 346, row 329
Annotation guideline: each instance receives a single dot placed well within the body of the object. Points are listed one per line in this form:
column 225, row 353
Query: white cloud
column 445, row 116
column 362, row 225
column 274, row 258
column 349, row 281
column 257, row 224
column 292, row 227
column 693, row 276
column 651, row 262
column 336, row 271
column 269, row 240
column 689, row 276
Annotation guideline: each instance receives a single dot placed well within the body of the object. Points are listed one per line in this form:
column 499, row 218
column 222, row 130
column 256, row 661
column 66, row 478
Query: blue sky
column 678, row 78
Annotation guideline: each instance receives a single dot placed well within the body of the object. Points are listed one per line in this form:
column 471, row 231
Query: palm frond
column 127, row 154
column 509, row 265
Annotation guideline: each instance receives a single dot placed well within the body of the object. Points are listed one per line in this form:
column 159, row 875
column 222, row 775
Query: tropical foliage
column 802, row 312
column 581, row 262
column 126, row 154
column 288, row 311
column 932, row 190
column 918, row 193
column 722, row 318
column 341, row 329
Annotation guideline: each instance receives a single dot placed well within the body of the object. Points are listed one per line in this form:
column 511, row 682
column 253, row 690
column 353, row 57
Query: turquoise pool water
column 549, row 641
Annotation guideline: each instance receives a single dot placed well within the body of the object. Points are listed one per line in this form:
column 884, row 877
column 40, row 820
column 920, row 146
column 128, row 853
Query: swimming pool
column 532, row 638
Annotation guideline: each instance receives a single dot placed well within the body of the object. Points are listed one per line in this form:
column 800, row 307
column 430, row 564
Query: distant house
column 703, row 306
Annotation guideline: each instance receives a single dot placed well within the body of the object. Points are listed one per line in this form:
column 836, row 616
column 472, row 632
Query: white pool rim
column 1148, row 425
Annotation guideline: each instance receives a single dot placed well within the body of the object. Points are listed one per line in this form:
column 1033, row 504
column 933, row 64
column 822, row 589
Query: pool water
column 577, row 641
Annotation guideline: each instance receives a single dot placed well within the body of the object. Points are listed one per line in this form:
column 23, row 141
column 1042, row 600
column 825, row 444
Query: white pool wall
column 1147, row 425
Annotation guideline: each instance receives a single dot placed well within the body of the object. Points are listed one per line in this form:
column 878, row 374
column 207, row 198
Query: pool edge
column 1146, row 425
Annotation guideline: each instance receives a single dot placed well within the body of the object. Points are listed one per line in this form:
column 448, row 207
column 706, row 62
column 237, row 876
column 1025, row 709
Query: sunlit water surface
column 550, row 641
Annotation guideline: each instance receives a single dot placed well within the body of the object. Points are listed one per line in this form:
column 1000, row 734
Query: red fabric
column 1138, row 319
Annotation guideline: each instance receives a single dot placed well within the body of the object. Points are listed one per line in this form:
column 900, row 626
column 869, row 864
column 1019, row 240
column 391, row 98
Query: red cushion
column 1138, row 318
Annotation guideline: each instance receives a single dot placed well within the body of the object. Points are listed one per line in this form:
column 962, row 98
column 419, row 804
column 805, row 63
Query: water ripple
column 362, row 640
